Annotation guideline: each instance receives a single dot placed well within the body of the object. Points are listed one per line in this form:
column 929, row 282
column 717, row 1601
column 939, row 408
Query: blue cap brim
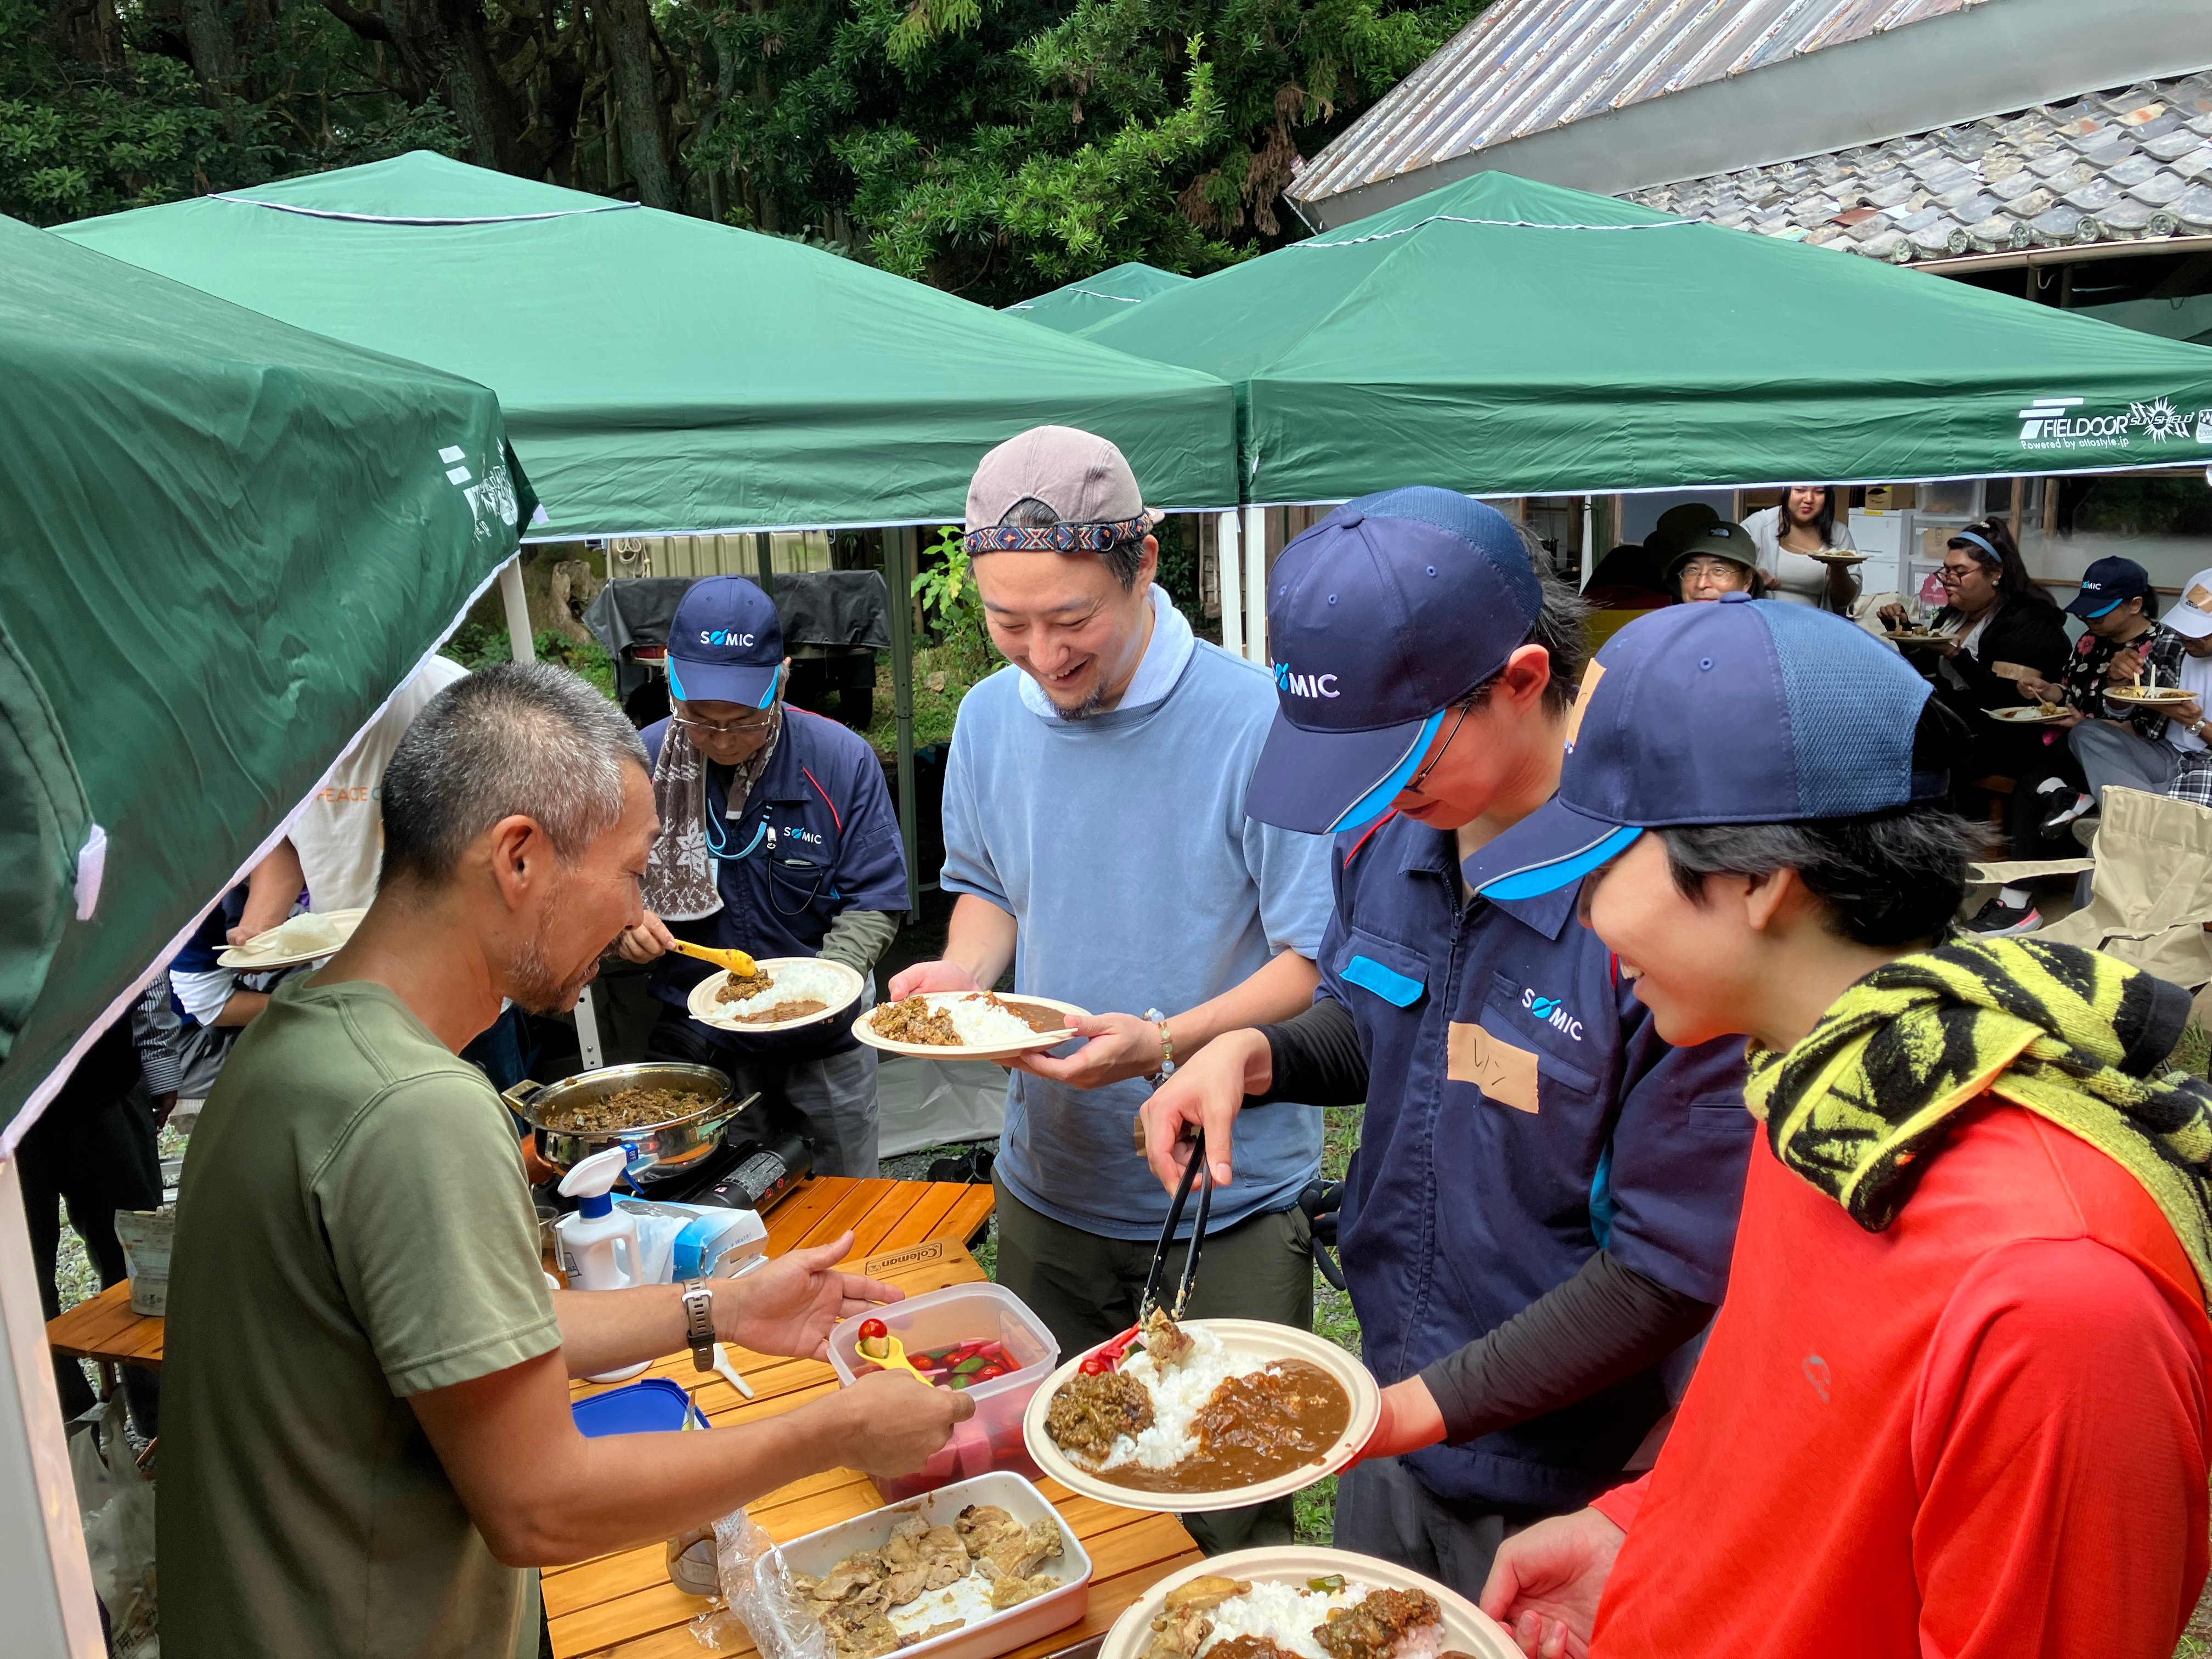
column 1324, row 782
column 2073, row 607
column 748, row 684
column 1553, row 845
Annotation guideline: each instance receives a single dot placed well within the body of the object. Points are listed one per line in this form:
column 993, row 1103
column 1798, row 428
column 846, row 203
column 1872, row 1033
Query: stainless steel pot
column 669, row 1145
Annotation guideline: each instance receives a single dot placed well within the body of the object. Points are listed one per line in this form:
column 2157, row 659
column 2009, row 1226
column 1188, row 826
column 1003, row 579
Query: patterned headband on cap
column 1982, row 542
column 1068, row 537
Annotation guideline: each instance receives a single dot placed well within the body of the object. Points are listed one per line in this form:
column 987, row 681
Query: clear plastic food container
column 992, row 1439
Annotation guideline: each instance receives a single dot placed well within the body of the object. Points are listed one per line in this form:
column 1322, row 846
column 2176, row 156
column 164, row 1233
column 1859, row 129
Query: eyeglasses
column 1708, row 570
column 734, row 729
column 1413, row 783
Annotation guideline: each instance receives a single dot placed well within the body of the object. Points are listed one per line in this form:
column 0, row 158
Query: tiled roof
column 1524, row 66
column 2135, row 165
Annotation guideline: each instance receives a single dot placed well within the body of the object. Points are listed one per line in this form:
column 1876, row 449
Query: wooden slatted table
column 883, row 1215
column 623, row 1607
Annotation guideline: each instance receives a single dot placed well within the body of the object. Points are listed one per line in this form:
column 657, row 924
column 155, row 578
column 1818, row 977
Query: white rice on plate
column 1284, row 1613
column 794, row 981
column 980, row 1024
column 1178, row 1395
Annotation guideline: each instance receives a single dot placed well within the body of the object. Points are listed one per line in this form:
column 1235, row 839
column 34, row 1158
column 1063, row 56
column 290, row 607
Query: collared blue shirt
column 816, row 837
column 1462, row 1207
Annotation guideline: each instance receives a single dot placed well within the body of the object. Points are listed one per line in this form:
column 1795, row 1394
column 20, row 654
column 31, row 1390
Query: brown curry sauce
column 1253, row 1428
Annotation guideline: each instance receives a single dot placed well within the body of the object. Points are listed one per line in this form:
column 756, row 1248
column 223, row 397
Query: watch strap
column 699, row 1322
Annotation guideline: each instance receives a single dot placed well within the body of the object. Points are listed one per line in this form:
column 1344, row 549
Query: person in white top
column 1788, row 536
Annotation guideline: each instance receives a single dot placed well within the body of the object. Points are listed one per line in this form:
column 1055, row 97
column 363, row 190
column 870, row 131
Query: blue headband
column 1981, row 542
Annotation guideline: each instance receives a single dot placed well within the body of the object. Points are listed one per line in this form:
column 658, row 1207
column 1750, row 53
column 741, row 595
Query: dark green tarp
column 1077, row 305
column 226, row 541
column 1515, row 339
column 662, row 374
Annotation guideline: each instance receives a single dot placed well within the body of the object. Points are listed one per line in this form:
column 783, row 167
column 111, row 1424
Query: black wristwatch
column 699, row 1322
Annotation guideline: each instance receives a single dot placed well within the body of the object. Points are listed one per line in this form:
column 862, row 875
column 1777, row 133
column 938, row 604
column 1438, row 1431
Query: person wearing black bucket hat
column 1541, row 1211
column 1956, row 1402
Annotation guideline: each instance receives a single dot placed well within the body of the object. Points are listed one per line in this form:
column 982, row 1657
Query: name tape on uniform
column 1506, row 1074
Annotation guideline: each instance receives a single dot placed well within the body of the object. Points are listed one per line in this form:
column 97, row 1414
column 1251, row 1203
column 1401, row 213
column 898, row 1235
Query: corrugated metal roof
column 2135, row 164
column 1524, row 66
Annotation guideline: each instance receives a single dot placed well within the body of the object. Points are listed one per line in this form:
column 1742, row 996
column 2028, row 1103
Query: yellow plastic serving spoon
column 736, row 960
column 887, row 1351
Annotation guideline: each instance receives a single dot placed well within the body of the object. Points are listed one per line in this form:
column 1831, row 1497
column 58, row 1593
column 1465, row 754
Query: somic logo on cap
column 1382, row 615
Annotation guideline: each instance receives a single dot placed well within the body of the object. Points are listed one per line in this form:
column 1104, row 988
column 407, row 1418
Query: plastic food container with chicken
column 981, row 1341
column 969, row 1571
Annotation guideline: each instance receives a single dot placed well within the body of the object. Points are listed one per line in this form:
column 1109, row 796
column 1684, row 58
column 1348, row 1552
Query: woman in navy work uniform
column 1542, row 1207
column 777, row 838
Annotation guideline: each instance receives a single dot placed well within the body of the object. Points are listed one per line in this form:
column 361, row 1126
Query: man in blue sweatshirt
column 1094, row 830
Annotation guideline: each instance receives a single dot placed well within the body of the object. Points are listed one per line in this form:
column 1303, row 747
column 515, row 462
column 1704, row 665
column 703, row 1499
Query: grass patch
column 1333, row 1318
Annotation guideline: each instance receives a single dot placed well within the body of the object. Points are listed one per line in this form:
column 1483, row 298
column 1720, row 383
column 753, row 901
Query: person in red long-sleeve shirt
column 1958, row 1402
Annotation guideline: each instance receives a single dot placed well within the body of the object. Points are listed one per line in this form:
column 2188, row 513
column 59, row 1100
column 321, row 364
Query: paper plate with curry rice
column 781, row 994
column 1294, row 1602
column 1207, row 1414
column 967, row 1025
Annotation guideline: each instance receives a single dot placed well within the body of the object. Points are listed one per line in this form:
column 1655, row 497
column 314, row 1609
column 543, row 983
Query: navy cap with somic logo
column 2106, row 584
column 725, row 644
column 1746, row 711
column 1380, row 618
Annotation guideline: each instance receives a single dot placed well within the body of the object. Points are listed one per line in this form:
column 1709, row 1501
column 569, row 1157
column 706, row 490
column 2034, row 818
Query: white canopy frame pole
column 46, row 1580
column 1228, row 564
column 1256, row 584
column 511, row 595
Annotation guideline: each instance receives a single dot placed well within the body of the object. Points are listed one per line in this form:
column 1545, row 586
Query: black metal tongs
column 1194, row 1170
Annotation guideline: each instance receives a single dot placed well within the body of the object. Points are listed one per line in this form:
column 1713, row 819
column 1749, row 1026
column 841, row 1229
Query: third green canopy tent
column 1075, row 305
column 1512, row 338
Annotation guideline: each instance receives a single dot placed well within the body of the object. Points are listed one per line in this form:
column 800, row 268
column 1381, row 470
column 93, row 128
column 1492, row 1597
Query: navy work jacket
column 816, row 837
column 1521, row 1114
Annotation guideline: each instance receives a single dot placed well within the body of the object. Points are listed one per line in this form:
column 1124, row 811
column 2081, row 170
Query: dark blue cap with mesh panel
column 1379, row 617
column 1743, row 711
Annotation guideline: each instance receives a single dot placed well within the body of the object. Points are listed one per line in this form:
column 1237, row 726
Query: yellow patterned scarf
column 1859, row 1106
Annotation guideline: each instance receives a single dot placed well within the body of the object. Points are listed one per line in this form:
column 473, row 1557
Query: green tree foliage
column 996, row 148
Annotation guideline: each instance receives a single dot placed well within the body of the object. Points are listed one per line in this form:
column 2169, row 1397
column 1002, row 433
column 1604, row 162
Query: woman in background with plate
column 777, row 838
column 1791, row 537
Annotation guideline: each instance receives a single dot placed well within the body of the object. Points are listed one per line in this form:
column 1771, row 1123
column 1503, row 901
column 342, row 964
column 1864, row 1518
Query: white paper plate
column 1467, row 1627
column 703, row 1008
column 2160, row 698
column 266, row 950
column 1837, row 558
column 2025, row 714
column 864, row 1028
column 1248, row 1338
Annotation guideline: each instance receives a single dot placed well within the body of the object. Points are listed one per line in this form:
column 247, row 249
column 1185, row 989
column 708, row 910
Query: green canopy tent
column 1075, row 306
column 1513, row 338
column 660, row 374
column 229, row 542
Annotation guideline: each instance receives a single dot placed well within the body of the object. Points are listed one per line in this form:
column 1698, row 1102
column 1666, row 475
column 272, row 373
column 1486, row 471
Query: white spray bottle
column 600, row 1240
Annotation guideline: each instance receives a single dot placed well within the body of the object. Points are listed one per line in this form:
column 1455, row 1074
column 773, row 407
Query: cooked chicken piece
column 980, row 1518
column 850, row 1575
column 871, row 1641
column 1371, row 1628
column 903, row 1586
column 1012, row 1592
column 1178, row 1634
column 1017, row 1554
column 1206, row 1594
column 803, row 1582
column 1165, row 1340
column 933, row 1631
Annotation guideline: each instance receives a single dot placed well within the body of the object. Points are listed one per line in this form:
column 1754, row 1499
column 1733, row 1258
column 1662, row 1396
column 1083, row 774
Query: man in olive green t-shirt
column 367, row 1442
